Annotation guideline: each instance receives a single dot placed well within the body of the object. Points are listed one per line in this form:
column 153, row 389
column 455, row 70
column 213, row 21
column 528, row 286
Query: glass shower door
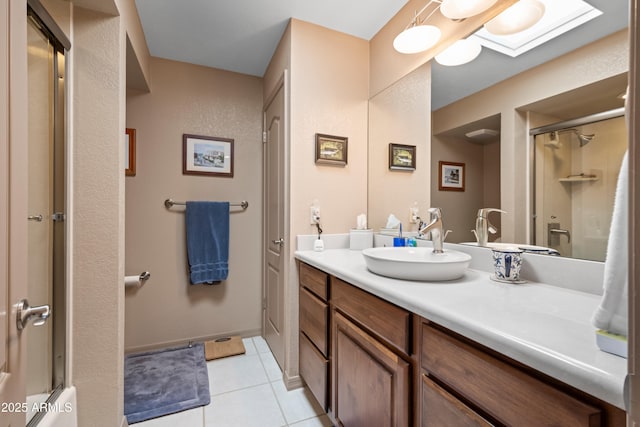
column 46, row 251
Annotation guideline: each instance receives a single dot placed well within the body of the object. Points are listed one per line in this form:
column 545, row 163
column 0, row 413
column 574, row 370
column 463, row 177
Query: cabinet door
column 441, row 409
column 371, row 383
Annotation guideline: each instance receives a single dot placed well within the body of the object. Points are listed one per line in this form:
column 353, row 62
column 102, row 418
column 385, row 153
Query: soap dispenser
column 483, row 226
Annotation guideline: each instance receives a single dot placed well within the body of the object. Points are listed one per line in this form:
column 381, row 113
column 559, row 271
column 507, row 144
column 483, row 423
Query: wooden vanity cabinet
column 464, row 384
column 314, row 332
column 370, row 357
column 371, row 363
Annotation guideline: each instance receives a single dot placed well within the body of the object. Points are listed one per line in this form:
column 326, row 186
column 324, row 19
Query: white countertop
column 545, row 327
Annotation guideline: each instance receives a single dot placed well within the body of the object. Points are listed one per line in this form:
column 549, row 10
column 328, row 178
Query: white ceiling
column 242, row 35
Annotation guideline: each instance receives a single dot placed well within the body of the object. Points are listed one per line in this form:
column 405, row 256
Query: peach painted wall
column 329, row 93
column 97, row 215
column 196, row 100
column 400, row 114
column 280, row 61
column 138, row 56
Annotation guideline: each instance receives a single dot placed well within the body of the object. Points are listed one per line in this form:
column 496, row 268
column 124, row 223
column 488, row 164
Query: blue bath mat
column 163, row 382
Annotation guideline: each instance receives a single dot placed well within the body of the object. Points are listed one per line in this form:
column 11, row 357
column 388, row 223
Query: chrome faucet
column 435, row 228
column 484, row 226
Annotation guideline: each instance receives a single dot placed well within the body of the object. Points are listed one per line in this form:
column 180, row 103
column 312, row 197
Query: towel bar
column 169, row 203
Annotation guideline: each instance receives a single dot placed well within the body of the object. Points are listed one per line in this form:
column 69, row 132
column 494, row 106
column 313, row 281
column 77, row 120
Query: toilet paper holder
column 136, row 281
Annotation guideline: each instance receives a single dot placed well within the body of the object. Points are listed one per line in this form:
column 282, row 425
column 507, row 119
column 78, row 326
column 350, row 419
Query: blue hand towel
column 208, row 241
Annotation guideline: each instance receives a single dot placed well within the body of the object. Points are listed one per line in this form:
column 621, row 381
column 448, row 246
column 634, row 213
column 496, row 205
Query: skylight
column 560, row 17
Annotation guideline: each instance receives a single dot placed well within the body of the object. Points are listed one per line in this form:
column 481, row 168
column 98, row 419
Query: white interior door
column 275, row 239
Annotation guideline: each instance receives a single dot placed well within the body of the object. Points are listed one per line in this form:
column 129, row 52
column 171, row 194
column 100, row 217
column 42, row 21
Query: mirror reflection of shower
column 583, row 139
column 575, row 170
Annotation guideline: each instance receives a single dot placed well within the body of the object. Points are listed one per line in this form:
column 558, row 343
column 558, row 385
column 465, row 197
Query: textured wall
column 400, row 114
column 97, row 218
column 329, row 93
column 202, row 101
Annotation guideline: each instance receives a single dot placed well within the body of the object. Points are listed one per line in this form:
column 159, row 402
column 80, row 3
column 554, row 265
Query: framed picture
column 207, row 155
column 450, row 176
column 331, row 149
column 130, row 152
column 402, row 157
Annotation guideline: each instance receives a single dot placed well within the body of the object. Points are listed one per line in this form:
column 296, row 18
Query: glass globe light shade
column 461, row 9
column 417, row 39
column 519, row 17
column 461, row 52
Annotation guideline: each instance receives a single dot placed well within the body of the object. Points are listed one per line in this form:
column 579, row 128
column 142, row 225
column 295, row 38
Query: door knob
column 279, row 241
column 26, row 314
column 38, row 218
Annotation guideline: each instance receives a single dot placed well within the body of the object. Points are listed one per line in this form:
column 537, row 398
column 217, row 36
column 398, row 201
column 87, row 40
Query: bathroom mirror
column 399, row 115
column 498, row 153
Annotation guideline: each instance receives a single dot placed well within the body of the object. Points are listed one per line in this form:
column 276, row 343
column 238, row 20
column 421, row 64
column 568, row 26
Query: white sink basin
column 420, row 263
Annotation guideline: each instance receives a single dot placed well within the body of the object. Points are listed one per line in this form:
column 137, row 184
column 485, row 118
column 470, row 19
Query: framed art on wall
column 402, row 157
column 331, row 149
column 207, row 155
column 450, row 176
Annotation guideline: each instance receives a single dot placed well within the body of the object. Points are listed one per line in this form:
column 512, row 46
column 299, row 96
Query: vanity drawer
column 313, row 319
column 504, row 392
column 441, row 409
column 315, row 280
column 314, row 369
column 386, row 320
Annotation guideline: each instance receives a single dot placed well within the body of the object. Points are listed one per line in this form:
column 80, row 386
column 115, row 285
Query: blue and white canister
column 507, row 263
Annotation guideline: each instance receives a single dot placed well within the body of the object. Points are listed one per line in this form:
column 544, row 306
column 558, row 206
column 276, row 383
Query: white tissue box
column 360, row 239
column 390, row 231
column 612, row 343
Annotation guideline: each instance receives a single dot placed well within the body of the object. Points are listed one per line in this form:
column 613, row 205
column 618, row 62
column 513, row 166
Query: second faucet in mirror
column 484, row 226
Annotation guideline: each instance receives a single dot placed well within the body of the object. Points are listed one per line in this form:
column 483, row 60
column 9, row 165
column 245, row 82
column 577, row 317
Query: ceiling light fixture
column 522, row 15
column 461, row 9
column 418, row 37
column 461, row 52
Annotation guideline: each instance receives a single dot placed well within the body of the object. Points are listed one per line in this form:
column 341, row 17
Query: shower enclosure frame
column 44, row 23
column 556, row 127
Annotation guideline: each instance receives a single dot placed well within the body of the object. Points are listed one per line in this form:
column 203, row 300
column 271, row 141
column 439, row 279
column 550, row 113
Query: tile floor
column 246, row 391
